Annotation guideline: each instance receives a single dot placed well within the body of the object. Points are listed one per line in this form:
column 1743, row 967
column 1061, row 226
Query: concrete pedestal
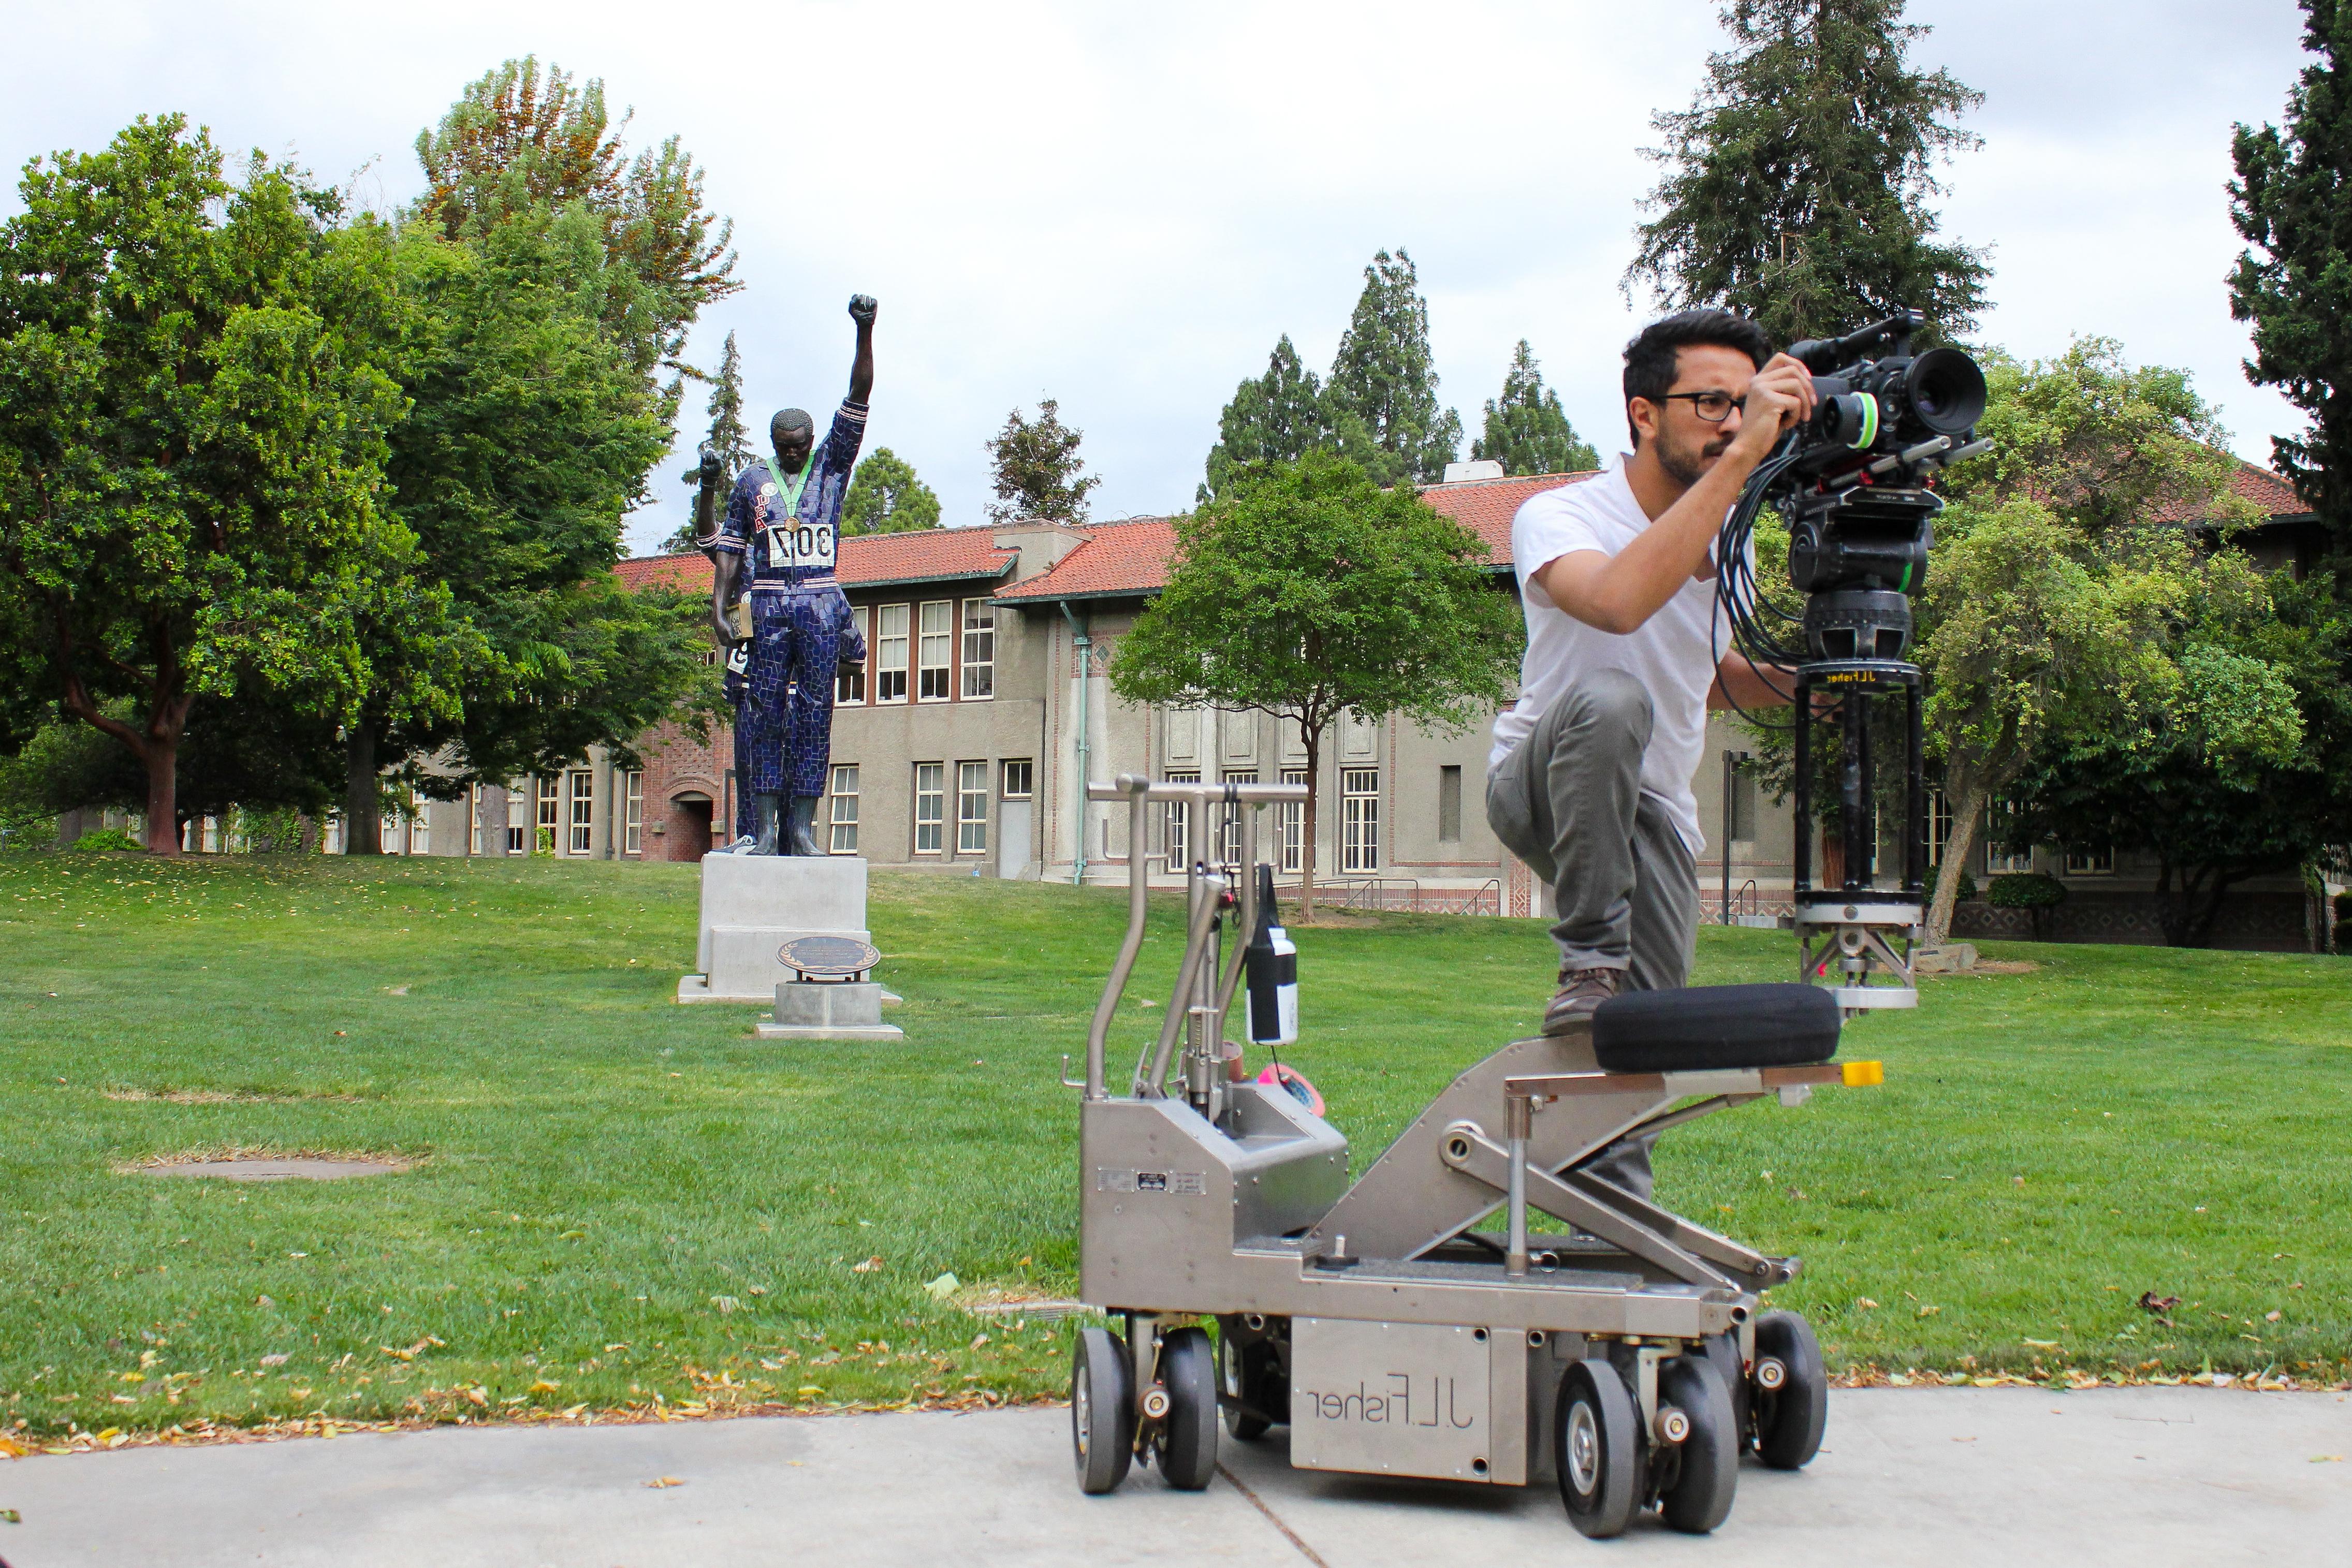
column 753, row 905
column 815, row 1010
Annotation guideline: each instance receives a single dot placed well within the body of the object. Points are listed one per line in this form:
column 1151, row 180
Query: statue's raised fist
column 861, row 308
column 714, row 467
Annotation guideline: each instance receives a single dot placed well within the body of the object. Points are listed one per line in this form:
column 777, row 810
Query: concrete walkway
column 2003, row 1477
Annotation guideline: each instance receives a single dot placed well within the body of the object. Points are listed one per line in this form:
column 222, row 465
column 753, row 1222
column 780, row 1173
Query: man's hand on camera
column 1778, row 398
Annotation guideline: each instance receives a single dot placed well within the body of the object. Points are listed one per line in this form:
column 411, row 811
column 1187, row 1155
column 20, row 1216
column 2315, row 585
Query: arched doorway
column 690, row 825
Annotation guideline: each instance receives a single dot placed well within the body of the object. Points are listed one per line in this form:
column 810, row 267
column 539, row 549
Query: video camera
column 1854, row 485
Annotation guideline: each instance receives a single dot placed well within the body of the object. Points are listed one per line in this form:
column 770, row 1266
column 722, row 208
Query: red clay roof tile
column 926, row 555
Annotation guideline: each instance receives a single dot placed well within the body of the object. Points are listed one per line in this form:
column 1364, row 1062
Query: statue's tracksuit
column 799, row 616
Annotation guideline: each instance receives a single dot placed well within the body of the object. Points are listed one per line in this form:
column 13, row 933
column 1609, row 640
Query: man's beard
column 1684, row 465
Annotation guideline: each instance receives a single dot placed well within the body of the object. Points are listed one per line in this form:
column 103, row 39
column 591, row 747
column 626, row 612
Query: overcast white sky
column 1123, row 206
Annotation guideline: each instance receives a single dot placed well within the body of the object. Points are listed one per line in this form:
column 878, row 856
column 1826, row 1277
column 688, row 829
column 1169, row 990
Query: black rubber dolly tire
column 1240, row 1388
column 1188, row 1437
column 1790, row 1419
column 1102, row 1410
column 1709, row 1468
column 1594, row 1434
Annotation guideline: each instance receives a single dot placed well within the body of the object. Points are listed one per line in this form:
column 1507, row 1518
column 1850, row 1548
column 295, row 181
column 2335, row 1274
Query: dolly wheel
column 1788, row 1419
column 1232, row 1372
column 1708, row 1470
column 1102, row 1410
column 1593, row 1433
column 1188, row 1437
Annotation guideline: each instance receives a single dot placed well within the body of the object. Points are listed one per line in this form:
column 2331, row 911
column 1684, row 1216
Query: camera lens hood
column 1946, row 391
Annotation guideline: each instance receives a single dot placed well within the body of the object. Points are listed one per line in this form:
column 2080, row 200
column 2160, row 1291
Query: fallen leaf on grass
column 276, row 1358
column 2270, row 1317
column 725, row 1304
column 478, row 1394
column 660, row 1482
column 2327, row 1459
column 867, row 1267
column 1928, row 1311
column 544, row 1387
column 810, row 1392
column 2042, row 1343
column 12, row 1516
column 1865, row 1303
column 941, row 1289
column 9, row 1449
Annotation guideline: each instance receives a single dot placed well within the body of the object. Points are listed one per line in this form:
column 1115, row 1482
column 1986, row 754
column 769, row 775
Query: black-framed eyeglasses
column 1714, row 407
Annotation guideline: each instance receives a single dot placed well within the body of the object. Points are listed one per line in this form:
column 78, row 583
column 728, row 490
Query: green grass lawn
column 617, row 1198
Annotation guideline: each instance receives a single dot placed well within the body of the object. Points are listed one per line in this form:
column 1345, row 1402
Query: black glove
column 861, row 308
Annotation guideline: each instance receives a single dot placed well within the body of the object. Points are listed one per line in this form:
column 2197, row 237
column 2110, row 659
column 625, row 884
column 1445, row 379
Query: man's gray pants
column 1568, row 801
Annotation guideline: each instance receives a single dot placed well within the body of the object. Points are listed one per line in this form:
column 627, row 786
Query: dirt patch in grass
column 393, row 1160
column 223, row 1097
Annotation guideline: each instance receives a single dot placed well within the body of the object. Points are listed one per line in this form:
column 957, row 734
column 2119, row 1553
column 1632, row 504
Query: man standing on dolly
column 785, row 515
column 1590, row 780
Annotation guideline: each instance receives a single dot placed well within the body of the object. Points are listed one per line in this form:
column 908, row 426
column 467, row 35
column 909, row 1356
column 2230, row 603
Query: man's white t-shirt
column 1673, row 653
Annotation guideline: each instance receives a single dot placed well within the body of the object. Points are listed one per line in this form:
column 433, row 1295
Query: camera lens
column 1946, row 391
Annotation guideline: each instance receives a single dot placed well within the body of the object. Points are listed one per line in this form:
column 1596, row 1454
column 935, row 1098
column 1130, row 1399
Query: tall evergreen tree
column 1278, row 417
column 1383, row 387
column 1039, row 473
column 1796, row 184
column 726, row 435
column 2292, row 202
column 886, row 497
column 1527, row 430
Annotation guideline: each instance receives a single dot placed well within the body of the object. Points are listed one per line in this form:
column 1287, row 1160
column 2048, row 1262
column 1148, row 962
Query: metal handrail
column 1137, row 792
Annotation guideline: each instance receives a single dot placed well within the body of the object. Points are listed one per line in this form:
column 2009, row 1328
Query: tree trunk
column 161, row 757
column 1972, row 794
column 2205, row 910
column 362, row 794
column 1314, row 741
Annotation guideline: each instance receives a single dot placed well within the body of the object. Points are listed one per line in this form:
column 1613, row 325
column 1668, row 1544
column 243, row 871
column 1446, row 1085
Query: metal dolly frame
column 1626, row 1353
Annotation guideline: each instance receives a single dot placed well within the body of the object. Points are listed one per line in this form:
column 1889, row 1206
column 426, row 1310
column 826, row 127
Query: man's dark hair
column 1651, row 358
column 789, row 418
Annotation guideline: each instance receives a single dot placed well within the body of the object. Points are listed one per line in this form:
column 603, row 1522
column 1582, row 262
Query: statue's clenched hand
column 861, row 308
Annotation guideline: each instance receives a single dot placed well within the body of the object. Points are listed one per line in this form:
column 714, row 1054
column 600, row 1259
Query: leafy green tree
column 726, row 434
column 192, row 425
column 1383, row 387
column 2242, row 776
column 1039, row 473
column 1796, row 184
column 886, row 497
column 528, row 438
column 1527, row 430
column 2293, row 206
column 1310, row 590
column 520, row 143
column 2055, row 609
column 1278, row 417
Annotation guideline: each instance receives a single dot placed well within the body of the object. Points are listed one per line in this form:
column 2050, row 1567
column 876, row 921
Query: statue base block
column 814, row 1009
column 753, row 905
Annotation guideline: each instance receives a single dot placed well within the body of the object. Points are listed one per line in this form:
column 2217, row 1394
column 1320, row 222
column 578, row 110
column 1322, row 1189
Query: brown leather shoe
column 1581, row 991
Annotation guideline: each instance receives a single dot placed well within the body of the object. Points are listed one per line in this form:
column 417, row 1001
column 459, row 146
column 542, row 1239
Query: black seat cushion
column 1715, row 1026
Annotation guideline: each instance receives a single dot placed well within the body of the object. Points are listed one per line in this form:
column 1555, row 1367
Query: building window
column 2097, row 860
column 1176, row 823
column 1018, row 778
column 1290, row 825
column 583, row 814
column 1741, row 808
column 1359, row 819
column 420, row 825
column 890, row 654
column 931, row 806
column 2000, row 857
column 979, row 649
column 971, row 808
column 1449, row 804
column 518, row 816
column 849, row 680
column 632, row 812
column 1939, row 825
column 844, row 817
column 935, row 648
column 1229, row 821
column 474, row 819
